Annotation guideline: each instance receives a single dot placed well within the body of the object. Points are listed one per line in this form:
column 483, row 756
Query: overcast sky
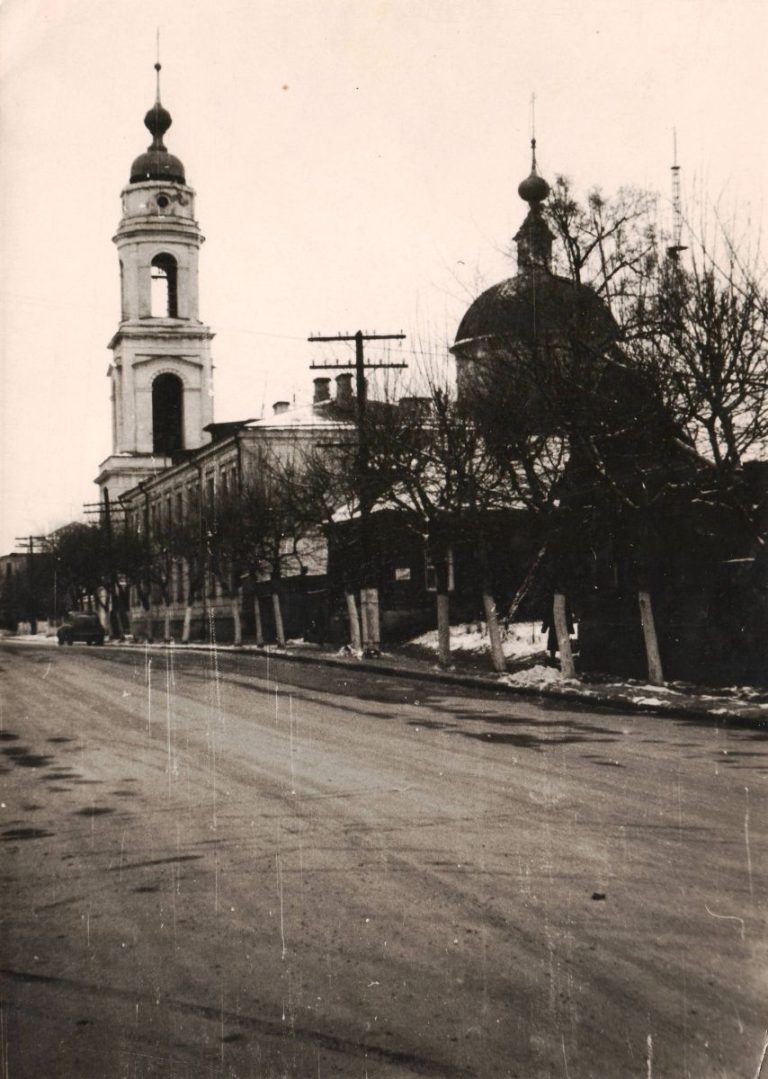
column 356, row 165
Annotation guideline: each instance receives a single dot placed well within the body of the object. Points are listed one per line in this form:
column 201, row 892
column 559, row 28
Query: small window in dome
column 163, row 201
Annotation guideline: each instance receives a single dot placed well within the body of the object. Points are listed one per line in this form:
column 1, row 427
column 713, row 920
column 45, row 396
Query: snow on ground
column 519, row 640
column 537, row 675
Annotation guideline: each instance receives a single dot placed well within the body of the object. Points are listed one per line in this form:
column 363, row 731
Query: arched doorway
column 167, row 415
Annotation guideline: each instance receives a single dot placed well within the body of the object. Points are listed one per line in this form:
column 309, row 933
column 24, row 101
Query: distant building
column 228, row 464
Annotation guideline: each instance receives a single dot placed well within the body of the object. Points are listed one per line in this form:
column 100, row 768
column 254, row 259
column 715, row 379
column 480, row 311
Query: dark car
column 80, row 627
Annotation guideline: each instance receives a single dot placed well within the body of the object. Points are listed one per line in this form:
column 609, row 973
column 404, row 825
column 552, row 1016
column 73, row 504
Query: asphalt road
column 212, row 866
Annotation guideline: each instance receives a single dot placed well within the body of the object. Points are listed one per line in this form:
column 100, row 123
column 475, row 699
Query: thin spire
column 533, row 132
column 677, row 246
column 158, row 65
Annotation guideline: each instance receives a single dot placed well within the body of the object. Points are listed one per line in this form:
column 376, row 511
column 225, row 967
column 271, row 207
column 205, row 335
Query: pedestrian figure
column 548, row 627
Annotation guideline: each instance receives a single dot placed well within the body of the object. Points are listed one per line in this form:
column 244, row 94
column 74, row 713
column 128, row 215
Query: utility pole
column 105, row 510
column 28, row 542
column 369, row 593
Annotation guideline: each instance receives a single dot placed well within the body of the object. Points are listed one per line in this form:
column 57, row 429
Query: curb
column 588, row 698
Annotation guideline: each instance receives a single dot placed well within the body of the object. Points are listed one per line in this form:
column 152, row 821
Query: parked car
column 80, row 627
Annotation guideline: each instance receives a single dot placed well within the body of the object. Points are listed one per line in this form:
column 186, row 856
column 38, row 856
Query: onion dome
column 534, row 188
column 156, row 163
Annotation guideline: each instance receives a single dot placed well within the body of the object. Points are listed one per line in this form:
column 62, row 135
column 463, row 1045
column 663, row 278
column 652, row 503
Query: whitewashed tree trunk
column 258, row 625
column 494, row 633
column 560, row 622
column 376, row 627
column 186, row 631
column 355, row 639
column 371, row 625
column 443, row 629
column 365, row 620
column 278, row 612
column 167, row 623
column 237, row 623
column 655, row 670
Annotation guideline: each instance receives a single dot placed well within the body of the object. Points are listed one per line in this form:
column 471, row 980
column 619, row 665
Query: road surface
column 214, row 865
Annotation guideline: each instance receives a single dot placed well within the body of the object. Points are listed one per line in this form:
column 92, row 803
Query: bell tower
column 161, row 370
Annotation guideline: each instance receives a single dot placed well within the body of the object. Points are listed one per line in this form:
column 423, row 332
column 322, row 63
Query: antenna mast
column 676, row 247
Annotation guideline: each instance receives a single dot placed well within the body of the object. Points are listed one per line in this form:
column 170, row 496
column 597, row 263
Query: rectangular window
column 431, row 572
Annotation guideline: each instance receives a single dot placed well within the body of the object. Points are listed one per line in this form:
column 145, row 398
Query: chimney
column 280, row 406
column 344, row 396
column 416, row 408
column 322, row 390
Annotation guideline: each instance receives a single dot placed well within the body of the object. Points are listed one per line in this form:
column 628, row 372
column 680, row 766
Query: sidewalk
column 742, row 704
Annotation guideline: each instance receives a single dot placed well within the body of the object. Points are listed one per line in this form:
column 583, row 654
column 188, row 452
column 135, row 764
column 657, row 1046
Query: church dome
column 531, row 309
column 156, row 163
column 535, row 307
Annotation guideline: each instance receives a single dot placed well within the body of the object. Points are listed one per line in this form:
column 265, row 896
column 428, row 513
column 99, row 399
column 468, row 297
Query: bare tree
column 80, row 556
column 427, row 458
column 187, row 543
column 706, row 342
column 330, row 492
column 258, row 528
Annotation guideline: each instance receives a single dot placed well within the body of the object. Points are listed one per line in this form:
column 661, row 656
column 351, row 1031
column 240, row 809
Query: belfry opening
column 165, row 302
column 167, row 415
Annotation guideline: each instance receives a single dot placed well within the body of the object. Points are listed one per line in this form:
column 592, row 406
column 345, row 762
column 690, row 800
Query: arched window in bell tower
column 167, row 415
column 164, row 287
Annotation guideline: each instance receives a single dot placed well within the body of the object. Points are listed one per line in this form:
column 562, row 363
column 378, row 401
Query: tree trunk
column 150, row 625
column 167, row 623
column 120, row 621
column 258, row 625
column 364, row 619
column 278, row 612
column 375, row 620
column 494, row 633
column 369, row 601
column 560, row 622
column 187, row 628
column 237, row 625
column 525, row 585
column 655, row 671
column 355, row 639
column 443, row 629
column 124, row 606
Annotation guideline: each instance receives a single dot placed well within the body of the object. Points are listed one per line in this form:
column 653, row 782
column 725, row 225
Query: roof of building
column 316, row 414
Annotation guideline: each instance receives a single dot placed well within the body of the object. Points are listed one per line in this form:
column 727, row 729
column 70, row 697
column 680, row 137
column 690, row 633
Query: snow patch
column 537, row 675
column 518, row 641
